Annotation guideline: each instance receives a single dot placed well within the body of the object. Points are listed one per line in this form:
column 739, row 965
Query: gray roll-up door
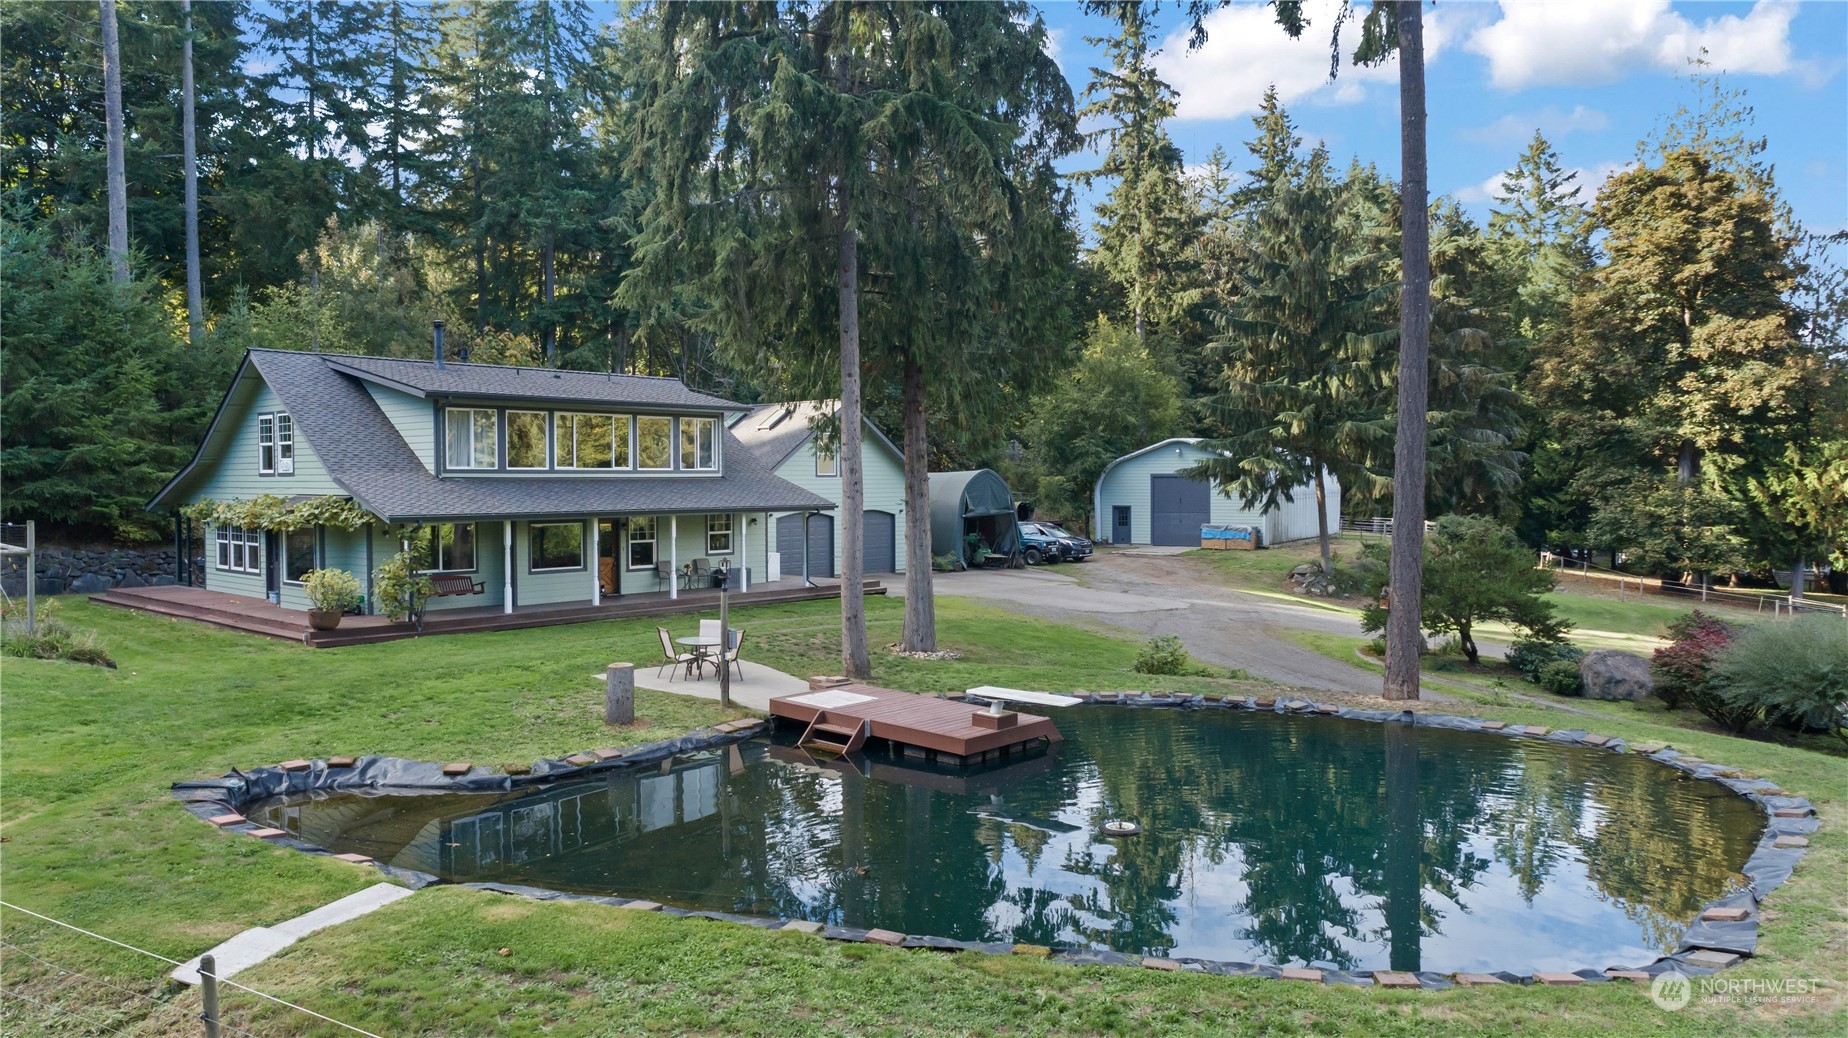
column 1177, row 509
column 881, row 542
column 821, row 544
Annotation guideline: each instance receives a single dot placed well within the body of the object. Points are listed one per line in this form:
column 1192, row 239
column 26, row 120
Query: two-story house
column 787, row 437
column 542, row 487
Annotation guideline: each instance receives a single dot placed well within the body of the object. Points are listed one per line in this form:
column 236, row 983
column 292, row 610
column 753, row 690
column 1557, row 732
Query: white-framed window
column 697, row 450
column 591, row 441
column 471, row 438
column 298, row 555
column 642, row 542
column 557, row 546
column 447, row 548
column 654, row 442
column 239, row 551
column 266, row 444
column 719, row 533
column 285, row 445
column 826, row 463
column 526, row 439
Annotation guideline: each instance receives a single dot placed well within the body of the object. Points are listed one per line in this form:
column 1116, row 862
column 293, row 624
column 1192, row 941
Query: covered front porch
column 257, row 615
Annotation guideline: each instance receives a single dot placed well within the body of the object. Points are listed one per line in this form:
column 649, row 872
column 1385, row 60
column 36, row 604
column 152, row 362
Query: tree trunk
column 920, row 605
column 1404, row 634
column 112, row 118
column 1467, row 641
column 549, row 331
column 856, row 663
column 1796, row 579
column 195, row 303
column 1321, row 517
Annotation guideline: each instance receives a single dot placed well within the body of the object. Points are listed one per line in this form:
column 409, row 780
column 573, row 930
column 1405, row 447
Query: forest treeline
column 1655, row 369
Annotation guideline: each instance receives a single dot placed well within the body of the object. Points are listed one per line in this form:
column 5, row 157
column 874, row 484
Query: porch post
column 744, row 552
column 507, row 566
column 596, row 575
column 673, row 555
column 767, row 546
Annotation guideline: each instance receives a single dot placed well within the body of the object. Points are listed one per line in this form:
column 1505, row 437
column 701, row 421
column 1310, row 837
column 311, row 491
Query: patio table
column 701, row 646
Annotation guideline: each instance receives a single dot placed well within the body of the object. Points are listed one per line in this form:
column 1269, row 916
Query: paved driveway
column 1151, row 595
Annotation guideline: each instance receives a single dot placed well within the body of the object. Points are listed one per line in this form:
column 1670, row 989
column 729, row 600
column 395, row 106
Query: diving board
column 1015, row 695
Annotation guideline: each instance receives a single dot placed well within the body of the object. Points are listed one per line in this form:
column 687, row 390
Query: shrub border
column 1706, row 947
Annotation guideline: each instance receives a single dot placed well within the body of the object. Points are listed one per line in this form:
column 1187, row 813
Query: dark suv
column 1053, row 542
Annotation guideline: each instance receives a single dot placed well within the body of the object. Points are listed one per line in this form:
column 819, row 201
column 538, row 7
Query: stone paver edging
column 1725, row 932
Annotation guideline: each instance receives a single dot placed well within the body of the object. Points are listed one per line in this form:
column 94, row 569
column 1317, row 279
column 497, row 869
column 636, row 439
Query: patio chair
column 670, row 657
column 708, row 628
column 664, row 572
column 700, row 569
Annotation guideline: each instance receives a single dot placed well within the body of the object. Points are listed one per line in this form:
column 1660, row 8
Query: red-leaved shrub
column 1684, row 669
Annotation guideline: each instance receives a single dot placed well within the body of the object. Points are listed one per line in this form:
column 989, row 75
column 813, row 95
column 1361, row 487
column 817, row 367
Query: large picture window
column 593, row 441
column 285, row 445
column 526, row 439
column 557, row 546
column 719, row 534
column 654, row 442
column 642, row 543
column 471, row 438
column 266, row 444
column 446, row 548
column 297, row 555
column 696, row 450
column 239, row 551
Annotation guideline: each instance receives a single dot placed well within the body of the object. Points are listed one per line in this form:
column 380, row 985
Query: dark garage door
column 1177, row 509
column 881, row 553
column 821, row 544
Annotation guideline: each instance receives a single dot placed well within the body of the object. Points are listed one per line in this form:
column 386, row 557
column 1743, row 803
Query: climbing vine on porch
column 278, row 514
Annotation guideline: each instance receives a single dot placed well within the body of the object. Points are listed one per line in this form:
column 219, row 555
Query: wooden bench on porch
column 446, row 584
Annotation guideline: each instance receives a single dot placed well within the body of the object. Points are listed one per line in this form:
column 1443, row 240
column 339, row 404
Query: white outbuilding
column 1142, row 498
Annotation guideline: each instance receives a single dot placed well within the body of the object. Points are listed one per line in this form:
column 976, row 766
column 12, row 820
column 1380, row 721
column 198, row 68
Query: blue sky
column 1594, row 75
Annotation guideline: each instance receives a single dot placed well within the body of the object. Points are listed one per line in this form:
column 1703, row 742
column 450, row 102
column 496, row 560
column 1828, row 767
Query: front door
column 609, row 554
column 272, row 565
column 1119, row 524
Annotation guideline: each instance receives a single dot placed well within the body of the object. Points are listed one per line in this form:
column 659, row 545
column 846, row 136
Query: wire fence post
column 31, row 576
column 208, row 980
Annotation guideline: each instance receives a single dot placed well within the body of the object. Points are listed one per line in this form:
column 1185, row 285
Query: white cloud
column 1055, row 45
column 1517, row 128
column 1583, row 42
column 1246, row 52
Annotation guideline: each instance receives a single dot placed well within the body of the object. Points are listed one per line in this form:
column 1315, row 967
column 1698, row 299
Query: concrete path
column 753, row 691
column 260, row 942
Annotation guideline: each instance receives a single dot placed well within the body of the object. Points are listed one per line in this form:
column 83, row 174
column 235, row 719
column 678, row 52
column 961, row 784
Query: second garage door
column 881, row 542
column 820, row 546
column 1178, row 507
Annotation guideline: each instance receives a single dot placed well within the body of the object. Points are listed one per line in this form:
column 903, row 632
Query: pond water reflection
column 1266, row 838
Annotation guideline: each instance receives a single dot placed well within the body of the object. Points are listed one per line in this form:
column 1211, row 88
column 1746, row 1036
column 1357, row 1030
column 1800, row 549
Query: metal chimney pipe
column 437, row 325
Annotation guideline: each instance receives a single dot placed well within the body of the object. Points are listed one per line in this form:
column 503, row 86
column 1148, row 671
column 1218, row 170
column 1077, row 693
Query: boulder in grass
column 91, row 584
column 1610, row 674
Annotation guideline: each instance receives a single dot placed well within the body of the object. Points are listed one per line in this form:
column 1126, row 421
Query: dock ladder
column 834, row 737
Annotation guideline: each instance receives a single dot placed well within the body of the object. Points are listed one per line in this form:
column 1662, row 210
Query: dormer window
column 471, row 438
column 826, row 464
column 696, row 450
column 654, row 442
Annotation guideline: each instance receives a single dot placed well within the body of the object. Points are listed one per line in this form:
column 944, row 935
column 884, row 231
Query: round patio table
column 702, row 646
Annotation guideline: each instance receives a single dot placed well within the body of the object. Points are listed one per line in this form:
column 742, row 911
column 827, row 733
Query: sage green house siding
column 883, row 477
column 413, row 418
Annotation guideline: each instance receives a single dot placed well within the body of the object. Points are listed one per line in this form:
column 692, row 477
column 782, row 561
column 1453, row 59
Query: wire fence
column 41, row 995
column 1759, row 602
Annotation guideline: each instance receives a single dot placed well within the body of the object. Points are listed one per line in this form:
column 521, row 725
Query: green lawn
column 105, row 847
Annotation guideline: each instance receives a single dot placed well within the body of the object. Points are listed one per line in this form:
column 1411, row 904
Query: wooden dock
column 841, row 717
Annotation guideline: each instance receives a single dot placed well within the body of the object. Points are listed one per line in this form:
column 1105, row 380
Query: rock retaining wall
column 91, row 571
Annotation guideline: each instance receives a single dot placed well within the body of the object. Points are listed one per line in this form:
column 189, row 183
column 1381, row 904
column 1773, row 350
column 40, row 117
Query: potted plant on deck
column 331, row 592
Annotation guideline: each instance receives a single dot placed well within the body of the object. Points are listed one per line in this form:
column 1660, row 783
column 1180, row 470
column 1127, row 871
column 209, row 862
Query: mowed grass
column 91, row 836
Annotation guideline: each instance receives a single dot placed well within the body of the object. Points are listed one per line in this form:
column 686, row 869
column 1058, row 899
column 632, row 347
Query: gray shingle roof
column 495, row 382
column 365, row 455
column 776, row 430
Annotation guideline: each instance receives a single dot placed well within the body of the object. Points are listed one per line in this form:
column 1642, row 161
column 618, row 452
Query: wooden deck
column 950, row 731
column 258, row 616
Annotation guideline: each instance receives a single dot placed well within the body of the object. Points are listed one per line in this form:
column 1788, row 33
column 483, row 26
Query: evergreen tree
column 1544, row 233
column 1304, row 358
column 1146, row 226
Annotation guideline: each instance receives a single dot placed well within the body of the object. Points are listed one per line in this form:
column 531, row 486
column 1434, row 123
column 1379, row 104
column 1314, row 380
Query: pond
column 1266, row 838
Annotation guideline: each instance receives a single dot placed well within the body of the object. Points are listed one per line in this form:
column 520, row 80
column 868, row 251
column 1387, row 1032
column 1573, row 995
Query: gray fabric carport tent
column 976, row 501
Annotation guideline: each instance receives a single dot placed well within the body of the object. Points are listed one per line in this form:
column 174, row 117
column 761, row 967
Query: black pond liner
column 1767, row 868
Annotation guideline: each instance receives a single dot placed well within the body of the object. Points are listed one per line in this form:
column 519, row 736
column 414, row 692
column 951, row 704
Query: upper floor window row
column 275, row 444
column 572, row 441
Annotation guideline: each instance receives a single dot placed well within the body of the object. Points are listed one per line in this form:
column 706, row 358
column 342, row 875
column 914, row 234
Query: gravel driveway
column 1150, row 595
